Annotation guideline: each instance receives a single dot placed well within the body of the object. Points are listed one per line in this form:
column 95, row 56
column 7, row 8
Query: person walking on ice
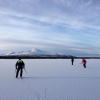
column 84, row 62
column 72, row 60
column 19, row 67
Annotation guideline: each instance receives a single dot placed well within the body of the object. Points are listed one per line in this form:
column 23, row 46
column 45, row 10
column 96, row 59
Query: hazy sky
column 62, row 26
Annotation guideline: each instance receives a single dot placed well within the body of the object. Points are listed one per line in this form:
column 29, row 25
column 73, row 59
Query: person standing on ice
column 72, row 60
column 84, row 62
column 19, row 67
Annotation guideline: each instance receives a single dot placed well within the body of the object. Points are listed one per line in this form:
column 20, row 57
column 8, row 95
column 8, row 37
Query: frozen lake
column 49, row 79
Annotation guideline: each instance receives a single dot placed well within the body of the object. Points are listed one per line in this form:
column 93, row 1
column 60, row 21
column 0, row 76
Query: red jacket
column 84, row 61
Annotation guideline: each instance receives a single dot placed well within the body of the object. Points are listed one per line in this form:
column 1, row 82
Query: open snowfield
column 50, row 79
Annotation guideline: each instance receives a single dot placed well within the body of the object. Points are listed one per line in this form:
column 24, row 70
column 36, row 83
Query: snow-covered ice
column 50, row 79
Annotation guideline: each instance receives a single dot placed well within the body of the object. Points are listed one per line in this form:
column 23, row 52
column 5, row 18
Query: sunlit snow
column 50, row 79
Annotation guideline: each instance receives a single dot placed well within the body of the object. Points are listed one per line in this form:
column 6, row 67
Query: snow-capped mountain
column 32, row 52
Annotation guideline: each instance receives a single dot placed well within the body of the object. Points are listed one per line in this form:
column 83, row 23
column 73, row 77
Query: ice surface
column 49, row 79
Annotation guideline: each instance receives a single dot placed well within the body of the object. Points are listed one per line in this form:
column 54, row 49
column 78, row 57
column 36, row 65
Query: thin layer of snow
column 28, row 52
column 50, row 80
column 32, row 52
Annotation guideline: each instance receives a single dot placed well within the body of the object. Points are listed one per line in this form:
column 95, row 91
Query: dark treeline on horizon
column 46, row 57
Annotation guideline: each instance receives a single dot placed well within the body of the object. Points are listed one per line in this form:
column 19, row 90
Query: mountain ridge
column 32, row 52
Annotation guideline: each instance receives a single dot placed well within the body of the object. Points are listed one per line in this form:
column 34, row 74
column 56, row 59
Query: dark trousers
column 84, row 65
column 72, row 62
column 21, row 71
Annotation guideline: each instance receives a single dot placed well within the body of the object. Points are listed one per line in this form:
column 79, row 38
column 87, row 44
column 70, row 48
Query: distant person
column 72, row 60
column 19, row 67
column 84, row 62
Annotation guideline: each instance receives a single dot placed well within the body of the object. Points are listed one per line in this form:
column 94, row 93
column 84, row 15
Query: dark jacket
column 72, row 59
column 20, row 64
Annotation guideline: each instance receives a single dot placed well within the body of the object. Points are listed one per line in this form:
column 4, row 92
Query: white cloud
column 65, row 23
column 66, row 18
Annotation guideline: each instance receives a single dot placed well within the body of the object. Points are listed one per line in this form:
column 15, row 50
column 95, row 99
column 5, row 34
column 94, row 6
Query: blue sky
column 63, row 26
